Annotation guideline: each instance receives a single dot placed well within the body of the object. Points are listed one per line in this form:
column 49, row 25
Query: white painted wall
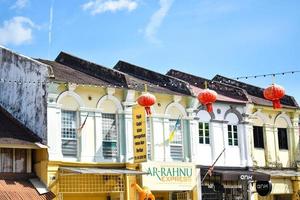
column 236, row 156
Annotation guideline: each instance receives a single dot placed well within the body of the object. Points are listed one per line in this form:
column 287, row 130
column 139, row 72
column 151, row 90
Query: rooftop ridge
column 169, row 82
column 220, row 88
column 254, row 90
column 108, row 75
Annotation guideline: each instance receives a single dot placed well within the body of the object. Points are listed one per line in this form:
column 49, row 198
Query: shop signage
column 169, row 176
column 263, row 188
column 139, row 134
column 246, row 177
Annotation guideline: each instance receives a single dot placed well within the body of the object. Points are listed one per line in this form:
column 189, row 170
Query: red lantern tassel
column 148, row 111
column 209, row 107
column 276, row 104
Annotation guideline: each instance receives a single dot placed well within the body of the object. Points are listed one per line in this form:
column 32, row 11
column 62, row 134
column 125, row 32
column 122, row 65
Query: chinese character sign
column 139, row 134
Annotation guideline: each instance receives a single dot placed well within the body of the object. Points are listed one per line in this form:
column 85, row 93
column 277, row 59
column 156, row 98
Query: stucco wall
column 20, row 93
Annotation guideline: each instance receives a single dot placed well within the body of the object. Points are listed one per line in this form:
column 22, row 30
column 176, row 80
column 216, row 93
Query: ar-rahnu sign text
column 169, row 176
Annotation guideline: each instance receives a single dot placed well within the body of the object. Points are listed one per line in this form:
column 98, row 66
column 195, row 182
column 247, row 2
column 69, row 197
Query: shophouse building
column 274, row 141
column 226, row 128
column 90, row 133
column 172, row 175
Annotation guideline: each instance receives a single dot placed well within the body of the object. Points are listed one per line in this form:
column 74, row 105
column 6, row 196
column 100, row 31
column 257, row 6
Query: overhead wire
column 265, row 75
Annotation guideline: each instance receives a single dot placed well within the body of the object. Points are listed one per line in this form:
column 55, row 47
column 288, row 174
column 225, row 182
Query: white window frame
column 174, row 144
column 232, row 138
column 117, row 137
column 76, row 133
column 203, row 135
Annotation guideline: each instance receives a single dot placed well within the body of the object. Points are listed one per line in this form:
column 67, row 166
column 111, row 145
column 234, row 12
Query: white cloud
column 20, row 4
column 156, row 20
column 17, row 31
column 101, row 6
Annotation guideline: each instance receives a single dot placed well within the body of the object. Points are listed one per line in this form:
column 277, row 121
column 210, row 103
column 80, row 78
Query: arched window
column 232, row 129
column 258, row 131
column 203, row 127
column 282, row 123
column 175, row 135
column 70, row 103
column 110, row 106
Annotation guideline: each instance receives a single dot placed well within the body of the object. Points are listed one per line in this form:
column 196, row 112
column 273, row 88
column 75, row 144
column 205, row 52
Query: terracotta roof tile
column 21, row 189
column 65, row 73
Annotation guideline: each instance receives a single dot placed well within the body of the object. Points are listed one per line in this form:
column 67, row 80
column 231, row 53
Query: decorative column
column 191, row 132
column 166, row 133
column 247, row 140
column 295, row 139
column 128, row 136
column 54, row 132
column 86, row 136
column 158, row 139
column 242, row 134
column 98, row 137
column 219, row 141
column 128, row 129
column 271, row 144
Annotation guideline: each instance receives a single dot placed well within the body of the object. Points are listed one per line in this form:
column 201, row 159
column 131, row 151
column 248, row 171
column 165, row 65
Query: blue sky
column 202, row 37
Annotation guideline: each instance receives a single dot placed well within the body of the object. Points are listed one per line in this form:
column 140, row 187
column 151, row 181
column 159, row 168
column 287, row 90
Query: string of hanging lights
column 265, row 75
column 273, row 92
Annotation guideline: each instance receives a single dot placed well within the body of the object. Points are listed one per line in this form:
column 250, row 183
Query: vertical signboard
column 139, row 134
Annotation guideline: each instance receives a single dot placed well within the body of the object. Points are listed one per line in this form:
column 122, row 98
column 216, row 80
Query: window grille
column 258, row 136
column 232, row 135
column 282, row 138
column 90, row 183
column 176, row 145
column 69, row 133
column 110, row 136
column 149, row 138
column 203, row 133
column 180, row 195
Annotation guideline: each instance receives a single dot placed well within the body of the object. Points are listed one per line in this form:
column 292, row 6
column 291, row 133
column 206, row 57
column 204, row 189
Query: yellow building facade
column 90, row 134
column 278, row 158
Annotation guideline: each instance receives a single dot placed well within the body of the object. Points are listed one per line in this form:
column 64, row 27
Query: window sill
column 284, row 150
column 207, row 145
column 233, row 147
column 259, row 148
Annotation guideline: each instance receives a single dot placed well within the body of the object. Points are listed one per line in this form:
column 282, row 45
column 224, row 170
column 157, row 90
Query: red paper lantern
column 207, row 97
column 146, row 100
column 274, row 93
